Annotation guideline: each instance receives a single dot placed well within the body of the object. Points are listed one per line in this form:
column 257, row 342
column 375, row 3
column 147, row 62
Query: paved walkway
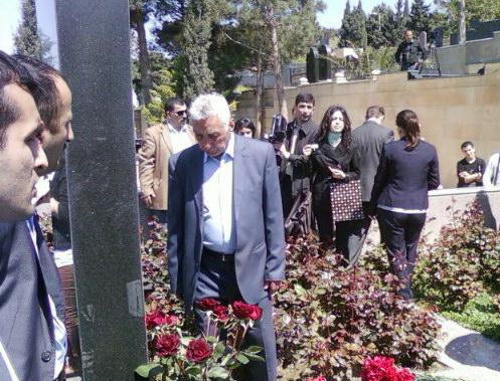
column 467, row 354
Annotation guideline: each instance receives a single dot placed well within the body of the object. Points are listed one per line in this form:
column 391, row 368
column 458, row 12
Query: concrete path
column 467, row 354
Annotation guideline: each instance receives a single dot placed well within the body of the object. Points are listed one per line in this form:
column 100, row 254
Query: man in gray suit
column 32, row 338
column 226, row 237
column 369, row 138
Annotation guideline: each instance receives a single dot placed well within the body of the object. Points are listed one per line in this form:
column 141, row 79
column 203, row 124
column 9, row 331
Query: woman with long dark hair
column 335, row 160
column 408, row 168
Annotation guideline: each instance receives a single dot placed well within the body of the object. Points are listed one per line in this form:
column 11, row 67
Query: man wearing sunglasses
column 160, row 142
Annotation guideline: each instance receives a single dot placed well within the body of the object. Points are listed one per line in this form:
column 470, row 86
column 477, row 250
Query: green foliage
column 353, row 29
column 162, row 85
column 27, row 40
column 481, row 314
column 420, row 17
column 461, row 264
column 481, row 10
column 330, row 319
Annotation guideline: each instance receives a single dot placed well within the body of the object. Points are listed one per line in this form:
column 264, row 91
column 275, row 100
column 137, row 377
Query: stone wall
column 451, row 109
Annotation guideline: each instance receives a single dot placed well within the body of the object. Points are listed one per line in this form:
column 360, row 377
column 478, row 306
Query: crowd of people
column 223, row 195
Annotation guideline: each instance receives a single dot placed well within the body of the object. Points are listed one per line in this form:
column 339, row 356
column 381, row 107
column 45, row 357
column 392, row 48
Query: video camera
column 278, row 129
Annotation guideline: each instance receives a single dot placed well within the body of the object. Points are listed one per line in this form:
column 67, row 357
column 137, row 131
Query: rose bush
column 175, row 353
column 329, row 318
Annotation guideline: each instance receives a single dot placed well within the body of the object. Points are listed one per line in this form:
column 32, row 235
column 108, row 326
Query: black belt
column 221, row 257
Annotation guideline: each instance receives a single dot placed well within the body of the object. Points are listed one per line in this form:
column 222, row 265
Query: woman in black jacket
column 335, row 160
column 408, row 168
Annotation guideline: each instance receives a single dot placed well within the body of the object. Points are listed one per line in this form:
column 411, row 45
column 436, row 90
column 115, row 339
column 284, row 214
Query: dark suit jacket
column 405, row 175
column 369, row 138
column 298, row 165
column 258, row 215
column 26, row 328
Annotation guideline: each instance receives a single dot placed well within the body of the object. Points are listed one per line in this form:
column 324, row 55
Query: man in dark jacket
column 410, row 54
column 369, row 138
column 295, row 165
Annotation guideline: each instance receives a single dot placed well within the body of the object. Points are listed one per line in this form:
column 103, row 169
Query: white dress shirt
column 218, row 210
column 180, row 138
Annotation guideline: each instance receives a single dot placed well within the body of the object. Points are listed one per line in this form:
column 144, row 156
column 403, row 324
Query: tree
column 198, row 78
column 353, row 29
column 382, row 27
column 281, row 31
column 420, row 17
column 139, row 14
column 27, row 40
column 481, row 10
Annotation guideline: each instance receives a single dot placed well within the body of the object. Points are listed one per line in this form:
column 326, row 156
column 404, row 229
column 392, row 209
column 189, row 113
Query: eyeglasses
column 181, row 112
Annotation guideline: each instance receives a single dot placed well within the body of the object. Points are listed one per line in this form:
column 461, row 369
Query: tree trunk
column 276, row 62
column 259, row 91
column 137, row 19
column 461, row 10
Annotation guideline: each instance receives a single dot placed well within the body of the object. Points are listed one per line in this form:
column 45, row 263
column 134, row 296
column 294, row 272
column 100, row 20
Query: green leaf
column 242, row 358
column 253, row 349
column 149, row 370
column 218, row 372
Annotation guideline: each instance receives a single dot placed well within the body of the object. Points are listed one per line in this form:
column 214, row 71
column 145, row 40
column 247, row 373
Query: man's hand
column 148, row 199
column 271, row 286
column 284, row 152
column 308, row 149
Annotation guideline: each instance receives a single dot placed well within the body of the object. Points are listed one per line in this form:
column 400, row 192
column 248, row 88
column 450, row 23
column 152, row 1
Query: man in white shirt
column 492, row 174
column 160, row 142
column 226, row 236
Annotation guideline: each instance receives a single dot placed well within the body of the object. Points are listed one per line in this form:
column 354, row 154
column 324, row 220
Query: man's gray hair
column 207, row 105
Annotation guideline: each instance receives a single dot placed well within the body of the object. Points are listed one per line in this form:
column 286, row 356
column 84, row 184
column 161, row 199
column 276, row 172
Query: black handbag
column 346, row 201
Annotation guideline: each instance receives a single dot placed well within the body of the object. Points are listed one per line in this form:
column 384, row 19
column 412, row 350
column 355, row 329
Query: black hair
column 244, row 123
column 304, row 98
column 46, row 95
column 172, row 102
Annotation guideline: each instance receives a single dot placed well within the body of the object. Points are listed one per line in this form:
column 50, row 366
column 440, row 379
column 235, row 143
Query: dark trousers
column 217, row 280
column 400, row 233
column 345, row 235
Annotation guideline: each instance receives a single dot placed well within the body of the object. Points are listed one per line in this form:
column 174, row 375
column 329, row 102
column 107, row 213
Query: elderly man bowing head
column 226, row 218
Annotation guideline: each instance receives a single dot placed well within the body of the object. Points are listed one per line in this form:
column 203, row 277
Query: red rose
column 207, row 304
column 246, row 311
column 198, row 350
column 167, row 345
column 221, row 313
column 157, row 318
column 405, row 375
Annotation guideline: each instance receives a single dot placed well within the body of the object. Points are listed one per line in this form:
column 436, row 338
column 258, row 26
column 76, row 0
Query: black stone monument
column 94, row 56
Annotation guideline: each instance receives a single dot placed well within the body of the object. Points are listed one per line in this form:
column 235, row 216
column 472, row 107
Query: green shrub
column 462, row 263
